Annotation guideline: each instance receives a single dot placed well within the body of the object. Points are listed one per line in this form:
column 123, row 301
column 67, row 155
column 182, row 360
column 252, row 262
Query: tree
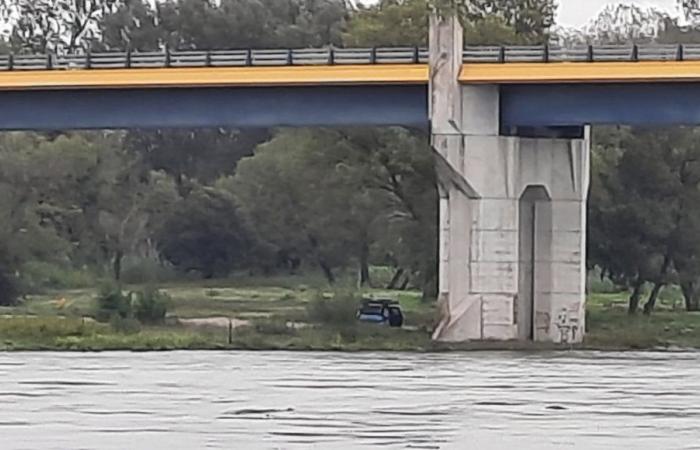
column 691, row 8
column 341, row 197
column 54, row 25
column 644, row 214
column 296, row 190
column 134, row 25
column 36, row 181
column 485, row 22
column 205, row 234
column 225, row 24
column 201, row 154
column 615, row 242
column 530, row 19
column 128, row 198
column 394, row 166
column 389, row 23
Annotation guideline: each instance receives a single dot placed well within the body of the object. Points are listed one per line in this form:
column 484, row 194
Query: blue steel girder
column 571, row 105
column 252, row 107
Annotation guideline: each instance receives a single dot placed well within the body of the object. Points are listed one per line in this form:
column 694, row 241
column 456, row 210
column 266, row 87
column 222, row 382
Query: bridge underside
column 564, row 105
column 253, row 107
column 527, row 110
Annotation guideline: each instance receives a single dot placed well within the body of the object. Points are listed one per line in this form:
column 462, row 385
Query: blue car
column 381, row 311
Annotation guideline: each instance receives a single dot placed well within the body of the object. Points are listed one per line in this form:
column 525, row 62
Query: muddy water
column 240, row 400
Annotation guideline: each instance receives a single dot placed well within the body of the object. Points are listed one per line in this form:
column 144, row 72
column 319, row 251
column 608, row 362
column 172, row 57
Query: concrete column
column 512, row 214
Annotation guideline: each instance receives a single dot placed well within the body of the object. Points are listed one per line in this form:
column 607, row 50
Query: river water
column 286, row 400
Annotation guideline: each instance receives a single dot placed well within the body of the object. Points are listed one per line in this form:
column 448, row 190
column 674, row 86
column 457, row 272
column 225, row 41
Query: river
column 287, row 400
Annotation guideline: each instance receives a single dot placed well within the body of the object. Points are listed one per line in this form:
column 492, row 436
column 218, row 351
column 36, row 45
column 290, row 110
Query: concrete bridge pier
column 512, row 214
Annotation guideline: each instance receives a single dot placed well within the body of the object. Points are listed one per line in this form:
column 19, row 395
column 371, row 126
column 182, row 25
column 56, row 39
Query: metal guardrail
column 590, row 53
column 217, row 58
column 346, row 56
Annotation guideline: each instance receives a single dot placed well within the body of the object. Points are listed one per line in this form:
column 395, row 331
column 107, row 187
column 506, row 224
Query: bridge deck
column 395, row 74
column 398, row 66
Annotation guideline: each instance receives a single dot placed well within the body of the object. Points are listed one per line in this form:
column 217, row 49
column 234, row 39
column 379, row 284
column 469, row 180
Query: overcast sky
column 578, row 12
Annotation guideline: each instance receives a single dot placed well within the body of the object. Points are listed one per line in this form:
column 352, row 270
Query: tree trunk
column 691, row 296
column 635, row 297
column 649, row 305
column 117, row 265
column 658, row 285
column 404, row 285
column 327, row 271
column 395, row 279
column 364, row 266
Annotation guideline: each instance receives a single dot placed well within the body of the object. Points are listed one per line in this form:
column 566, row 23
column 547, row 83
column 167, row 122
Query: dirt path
column 216, row 322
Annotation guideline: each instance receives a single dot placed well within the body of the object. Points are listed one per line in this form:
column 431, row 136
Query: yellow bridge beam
column 580, row 72
column 596, row 72
column 215, row 76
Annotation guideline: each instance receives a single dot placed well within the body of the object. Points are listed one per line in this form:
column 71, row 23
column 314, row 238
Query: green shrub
column 111, row 302
column 150, row 305
column 340, row 309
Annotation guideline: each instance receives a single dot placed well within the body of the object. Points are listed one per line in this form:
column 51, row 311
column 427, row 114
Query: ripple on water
column 489, row 401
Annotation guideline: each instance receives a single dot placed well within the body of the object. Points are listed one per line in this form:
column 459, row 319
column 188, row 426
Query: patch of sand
column 218, row 322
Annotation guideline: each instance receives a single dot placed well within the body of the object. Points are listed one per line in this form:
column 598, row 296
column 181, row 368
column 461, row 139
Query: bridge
column 539, row 87
column 509, row 133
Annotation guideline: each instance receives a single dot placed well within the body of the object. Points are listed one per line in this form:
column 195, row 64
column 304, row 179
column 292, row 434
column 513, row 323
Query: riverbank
column 276, row 315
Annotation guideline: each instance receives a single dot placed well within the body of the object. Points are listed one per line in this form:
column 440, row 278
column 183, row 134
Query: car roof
column 380, row 301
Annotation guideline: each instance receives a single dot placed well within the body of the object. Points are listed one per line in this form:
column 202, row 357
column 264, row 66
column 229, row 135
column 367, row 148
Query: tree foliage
column 205, row 234
column 485, row 22
column 55, row 25
column 644, row 218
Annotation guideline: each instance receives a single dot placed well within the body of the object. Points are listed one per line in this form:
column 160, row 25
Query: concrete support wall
column 512, row 215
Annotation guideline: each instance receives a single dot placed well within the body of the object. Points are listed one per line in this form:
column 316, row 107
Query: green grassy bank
column 286, row 313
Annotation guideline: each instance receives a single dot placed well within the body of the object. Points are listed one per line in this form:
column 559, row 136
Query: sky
column 577, row 12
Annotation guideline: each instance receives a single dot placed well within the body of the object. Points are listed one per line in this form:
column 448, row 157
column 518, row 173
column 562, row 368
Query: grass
column 56, row 319
column 275, row 308
column 609, row 325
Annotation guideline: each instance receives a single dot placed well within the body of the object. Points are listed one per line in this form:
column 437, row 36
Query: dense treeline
column 209, row 202
column 140, row 204
column 644, row 208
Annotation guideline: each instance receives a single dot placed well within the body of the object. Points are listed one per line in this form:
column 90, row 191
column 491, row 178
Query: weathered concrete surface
column 512, row 215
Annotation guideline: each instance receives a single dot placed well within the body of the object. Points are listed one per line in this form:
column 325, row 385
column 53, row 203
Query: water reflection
column 188, row 400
